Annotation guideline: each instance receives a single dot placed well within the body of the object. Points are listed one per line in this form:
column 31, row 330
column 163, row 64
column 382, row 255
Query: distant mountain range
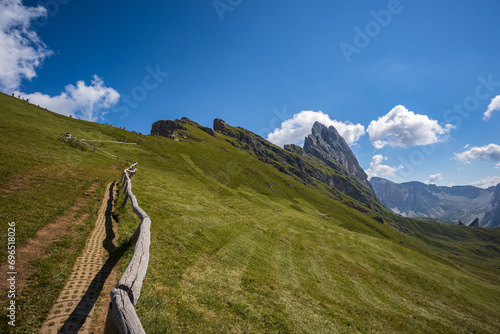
column 457, row 204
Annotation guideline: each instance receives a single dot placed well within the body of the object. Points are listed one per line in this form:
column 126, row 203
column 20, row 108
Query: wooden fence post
column 125, row 201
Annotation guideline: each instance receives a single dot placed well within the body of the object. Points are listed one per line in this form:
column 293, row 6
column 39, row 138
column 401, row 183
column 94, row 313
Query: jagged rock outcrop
column 169, row 128
column 295, row 149
column 166, row 128
column 475, row 222
column 185, row 120
column 207, row 130
column 295, row 161
column 328, row 145
column 219, row 125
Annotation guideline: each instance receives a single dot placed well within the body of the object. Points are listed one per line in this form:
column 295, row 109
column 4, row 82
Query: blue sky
column 407, row 83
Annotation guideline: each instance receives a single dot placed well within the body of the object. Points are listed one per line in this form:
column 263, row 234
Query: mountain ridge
column 452, row 204
column 326, row 157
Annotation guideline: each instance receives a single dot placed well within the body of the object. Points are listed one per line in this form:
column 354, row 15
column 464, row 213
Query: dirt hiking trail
column 73, row 310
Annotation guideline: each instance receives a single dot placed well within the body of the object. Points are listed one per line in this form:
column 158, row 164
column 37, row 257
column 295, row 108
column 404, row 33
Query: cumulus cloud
column 494, row 106
column 377, row 169
column 497, row 165
column 21, row 49
column 22, row 53
column 88, row 102
column 487, row 182
column 434, row 178
column 401, row 127
column 295, row 129
column 488, row 152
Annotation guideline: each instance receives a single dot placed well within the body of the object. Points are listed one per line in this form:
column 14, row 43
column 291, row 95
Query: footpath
column 73, row 310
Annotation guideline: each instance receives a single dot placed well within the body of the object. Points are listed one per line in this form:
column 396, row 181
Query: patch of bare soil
column 34, row 248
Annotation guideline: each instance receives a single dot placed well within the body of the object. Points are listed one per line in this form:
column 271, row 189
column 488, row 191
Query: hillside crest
column 326, row 157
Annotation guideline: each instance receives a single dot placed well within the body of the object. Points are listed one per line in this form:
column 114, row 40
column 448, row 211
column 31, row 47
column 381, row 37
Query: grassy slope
column 238, row 246
column 40, row 178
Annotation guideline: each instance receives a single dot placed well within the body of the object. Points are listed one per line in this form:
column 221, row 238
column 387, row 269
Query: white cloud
column 401, row 127
column 22, row 53
column 295, row 129
column 88, row 102
column 497, row 165
column 376, row 167
column 434, row 178
column 21, row 50
column 494, row 106
column 487, row 182
column 488, row 152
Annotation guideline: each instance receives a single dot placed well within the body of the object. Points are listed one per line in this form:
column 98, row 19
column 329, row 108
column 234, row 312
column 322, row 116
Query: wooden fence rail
column 122, row 317
column 108, row 141
column 95, row 148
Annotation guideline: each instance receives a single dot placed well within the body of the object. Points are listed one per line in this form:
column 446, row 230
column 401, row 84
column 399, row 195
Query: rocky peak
column 170, row 129
column 475, row 222
column 219, row 124
column 494, row 214
column 166, row 128
column 328, row 145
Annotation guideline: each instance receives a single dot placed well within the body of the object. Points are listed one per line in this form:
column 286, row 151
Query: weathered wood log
column 123, row 313
column 133, row 276
column 135, row 206
column 135, row 235
column 124, row 297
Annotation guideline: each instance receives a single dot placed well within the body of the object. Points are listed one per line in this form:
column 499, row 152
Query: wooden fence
column 122, row 317
column 95, row 148
column 108, row 141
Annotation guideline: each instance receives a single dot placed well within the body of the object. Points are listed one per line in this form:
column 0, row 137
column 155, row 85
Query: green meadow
column 236, row 245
